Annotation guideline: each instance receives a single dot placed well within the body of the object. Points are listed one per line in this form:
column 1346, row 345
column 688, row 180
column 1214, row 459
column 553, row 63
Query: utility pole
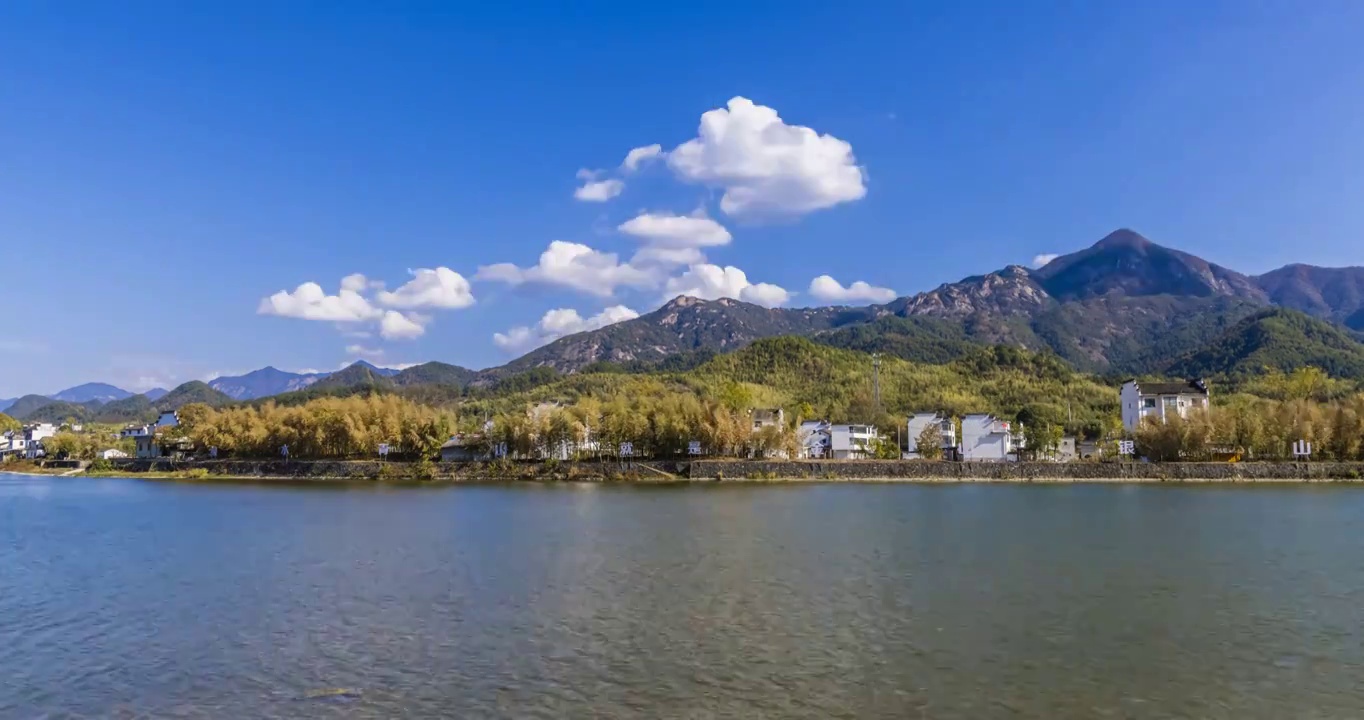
column 876, row 379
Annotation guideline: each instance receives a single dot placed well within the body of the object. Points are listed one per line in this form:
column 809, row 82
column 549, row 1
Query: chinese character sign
column 1127, row 447
column 694, row 447
column 627, row 449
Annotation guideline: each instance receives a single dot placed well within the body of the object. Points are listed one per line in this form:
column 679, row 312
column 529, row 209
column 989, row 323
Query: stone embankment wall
column 727, row 470
column 1027, row 472
column 357, row 470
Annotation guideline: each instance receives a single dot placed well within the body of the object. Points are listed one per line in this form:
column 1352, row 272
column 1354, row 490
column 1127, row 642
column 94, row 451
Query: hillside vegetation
column 1276, row 339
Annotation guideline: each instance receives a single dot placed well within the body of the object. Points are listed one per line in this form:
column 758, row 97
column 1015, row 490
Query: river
column 127, row 598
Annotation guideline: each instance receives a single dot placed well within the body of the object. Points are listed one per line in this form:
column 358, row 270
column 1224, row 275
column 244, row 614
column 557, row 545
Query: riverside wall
column 919, row 470
column 750, row 470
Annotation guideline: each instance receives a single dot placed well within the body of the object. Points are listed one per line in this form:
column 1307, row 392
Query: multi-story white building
column 813, row 436
column 1141, row 400
column 852, row 442
column 986, row 438
column 946, row 431
column 34, row 435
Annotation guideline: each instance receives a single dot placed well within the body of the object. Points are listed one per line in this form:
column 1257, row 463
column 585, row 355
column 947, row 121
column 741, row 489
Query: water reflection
column 618, row 602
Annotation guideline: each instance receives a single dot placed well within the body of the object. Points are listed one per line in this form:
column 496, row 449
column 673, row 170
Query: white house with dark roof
column 1160, row 400
column 815, row 440
column 944, row 427
column 986, row 438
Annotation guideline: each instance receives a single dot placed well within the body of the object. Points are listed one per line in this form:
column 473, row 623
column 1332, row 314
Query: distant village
column 27, row 442
column 978, row 437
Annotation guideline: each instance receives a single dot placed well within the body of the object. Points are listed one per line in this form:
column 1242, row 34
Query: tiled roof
column 1187, row 387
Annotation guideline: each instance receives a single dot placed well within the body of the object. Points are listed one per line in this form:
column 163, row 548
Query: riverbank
column 352, row 471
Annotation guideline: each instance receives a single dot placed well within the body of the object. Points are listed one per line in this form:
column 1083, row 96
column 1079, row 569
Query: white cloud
column 765, row 166
column 355, row 282
column 556, row 324
column 397, row 326
column 575, row 266
column 357, row 315
column 828, row 289
column 1041, row 260
column 310, row 302
column 639, row 156
column 665, row 230
column 594, row 190
column 440, row 288
column 712, row 282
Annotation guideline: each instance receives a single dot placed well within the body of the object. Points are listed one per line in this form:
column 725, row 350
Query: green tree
column 8, row 423
column 929, row 442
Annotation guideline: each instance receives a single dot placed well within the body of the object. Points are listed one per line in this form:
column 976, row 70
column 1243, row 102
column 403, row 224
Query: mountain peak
column 1123, row 238
column 683, row 301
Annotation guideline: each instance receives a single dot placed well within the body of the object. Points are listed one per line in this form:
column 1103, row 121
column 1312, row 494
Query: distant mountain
column 381, row 371
column 360, row 374
column 137, row 408
column 58, row 412
column 5, row 403
column 435, row 373
column 1278, row 339
column 194, row 391
column 88, row 392
column 155, row 393
column 21, row 407
column 1335, row 294
column 1128, row 264
column 263, row 383
column 685, row 324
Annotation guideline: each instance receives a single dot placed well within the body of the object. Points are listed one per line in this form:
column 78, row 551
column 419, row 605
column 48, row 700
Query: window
column 1148, row 403
column 1171, row 402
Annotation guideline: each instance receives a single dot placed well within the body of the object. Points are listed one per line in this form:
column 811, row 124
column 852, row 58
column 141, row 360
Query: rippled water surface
column 121, row 598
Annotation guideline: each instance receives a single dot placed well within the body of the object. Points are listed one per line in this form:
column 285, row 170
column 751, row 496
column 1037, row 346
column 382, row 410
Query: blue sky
column 167, row 168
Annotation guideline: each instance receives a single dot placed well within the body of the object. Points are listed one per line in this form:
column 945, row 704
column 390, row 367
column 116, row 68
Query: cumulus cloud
column 440, row 288
column 712, row 282
column 357, row 314
column 765, row 166
column 828, row 289
column 665, row 230
column 397, row 326
column 652, row 258
column 1041, row 260
column 310, row 302
column 575, row 266
column 639, row 156
column 595, row 190
column 556, row 324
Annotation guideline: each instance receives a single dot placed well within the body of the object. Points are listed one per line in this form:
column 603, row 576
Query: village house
column 464, row 448
column 946, row 431
column 1161, row 401
column 986, row 438
column 111, row 454
column 12, row 445
column 852, row 442
column 168, row 419
column 767, row 418
column 34, row 434
column 133, row 431
column 813, row 436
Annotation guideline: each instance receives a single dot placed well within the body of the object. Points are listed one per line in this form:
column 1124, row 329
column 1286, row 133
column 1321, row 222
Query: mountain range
column 1124, row 306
